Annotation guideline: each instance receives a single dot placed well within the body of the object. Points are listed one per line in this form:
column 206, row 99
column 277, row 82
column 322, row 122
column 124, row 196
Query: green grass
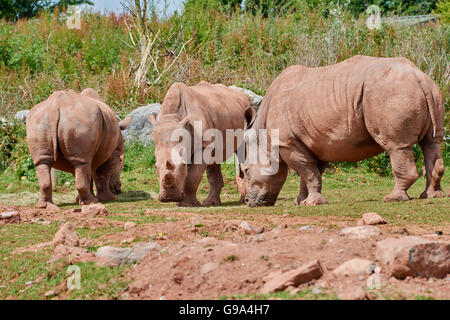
column 286, row 295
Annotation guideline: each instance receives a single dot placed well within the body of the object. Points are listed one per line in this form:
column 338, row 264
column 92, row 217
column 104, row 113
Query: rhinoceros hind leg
column 434, row 169
column 83, row 185
column 102, row 184
column 405, row 172
column 193, row 179
column 45, row 187
column 216, row 184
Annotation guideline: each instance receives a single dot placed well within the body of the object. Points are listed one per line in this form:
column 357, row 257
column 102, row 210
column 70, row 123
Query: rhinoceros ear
column 249, row 115
column 152, row 118
column 125, row 123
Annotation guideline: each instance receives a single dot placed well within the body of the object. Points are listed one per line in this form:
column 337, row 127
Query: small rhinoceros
column 214, row 108
column 80, row 134
column 349, row 111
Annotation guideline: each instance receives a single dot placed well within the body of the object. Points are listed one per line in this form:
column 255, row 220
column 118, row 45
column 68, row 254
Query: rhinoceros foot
column 106, row 196
column 396, row 196
column 90, row 200
column 313, row 199
column 189, row 203
column 429, row 194
column 211, row 202
column 46, row 205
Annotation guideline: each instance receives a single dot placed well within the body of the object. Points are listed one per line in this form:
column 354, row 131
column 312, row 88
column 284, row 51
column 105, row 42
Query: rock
column 372, row 218
column 208, row 267
column 140, row 128
column 10, row 217
column 67, row 236
column 352, row 293
column 316, row 290
column 21, row 115
column 255, row 99
column 374, row 281
column 353, row 267
column 96, row 209
column 361, row 232
column 51, row 293
column 129, row 225
column 117, row 256
column 414, row 256
column 278, row 281
column 305, row 228
column 250, row 229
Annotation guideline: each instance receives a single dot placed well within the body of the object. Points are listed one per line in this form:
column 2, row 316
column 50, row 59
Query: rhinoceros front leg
column 405, row 172
column 434, row 169
column 193, row 179
column 45, row 187
column 303, row 195
column 83, row 185
column 215, row 180
column 302, row 160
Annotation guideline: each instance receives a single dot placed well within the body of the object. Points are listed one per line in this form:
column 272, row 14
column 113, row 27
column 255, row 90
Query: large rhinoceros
column 349, row 111
column 213, row 106
column 80, row 134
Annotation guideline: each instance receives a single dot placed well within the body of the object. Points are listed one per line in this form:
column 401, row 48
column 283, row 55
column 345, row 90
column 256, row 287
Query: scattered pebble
column 51, row 293
column 308, row 227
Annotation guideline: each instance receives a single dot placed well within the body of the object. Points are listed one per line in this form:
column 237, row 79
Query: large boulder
column 255, row 99
column 21, row 115
column 140, row 128
column 414, row 256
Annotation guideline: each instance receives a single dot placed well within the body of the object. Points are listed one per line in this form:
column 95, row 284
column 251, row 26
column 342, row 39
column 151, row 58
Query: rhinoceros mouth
column 254, row 200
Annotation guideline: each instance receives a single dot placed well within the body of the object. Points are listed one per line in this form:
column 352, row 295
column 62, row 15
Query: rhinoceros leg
column 405, row 172
column 303, row 195
column 102, row 179
column 45, row 187
column 303, row 161
column 434, row 169
column 215, row 180
column 83, row 184
column 193, row 179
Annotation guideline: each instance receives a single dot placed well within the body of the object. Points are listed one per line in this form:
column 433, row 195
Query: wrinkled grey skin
column 349, row 111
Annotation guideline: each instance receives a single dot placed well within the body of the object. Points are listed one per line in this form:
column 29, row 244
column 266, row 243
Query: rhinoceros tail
column 53, row 120
column 429, row 98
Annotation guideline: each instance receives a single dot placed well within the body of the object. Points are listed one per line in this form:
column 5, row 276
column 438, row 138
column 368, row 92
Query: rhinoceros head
column 171, row 170
column 257, row 183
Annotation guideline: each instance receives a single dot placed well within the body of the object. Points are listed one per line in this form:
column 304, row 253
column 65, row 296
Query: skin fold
column 349, row 111
column 214, row 106
column 76, row 133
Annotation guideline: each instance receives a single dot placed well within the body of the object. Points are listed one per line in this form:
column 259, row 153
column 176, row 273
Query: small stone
column 316, row 290
column 129, row 225
column 10, row 217
column 208, row 267
column 341, row 251
column 51, row 293
column 372, row 218
column 28, row 283
column 67, row 236
column 118, row 256
column 278, row 281
column 361, row 232
column 353, row 267
column 250, row 229
column 308, row 227
column 96, row 209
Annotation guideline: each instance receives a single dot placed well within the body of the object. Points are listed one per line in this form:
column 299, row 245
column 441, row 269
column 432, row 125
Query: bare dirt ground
column 211, row 256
